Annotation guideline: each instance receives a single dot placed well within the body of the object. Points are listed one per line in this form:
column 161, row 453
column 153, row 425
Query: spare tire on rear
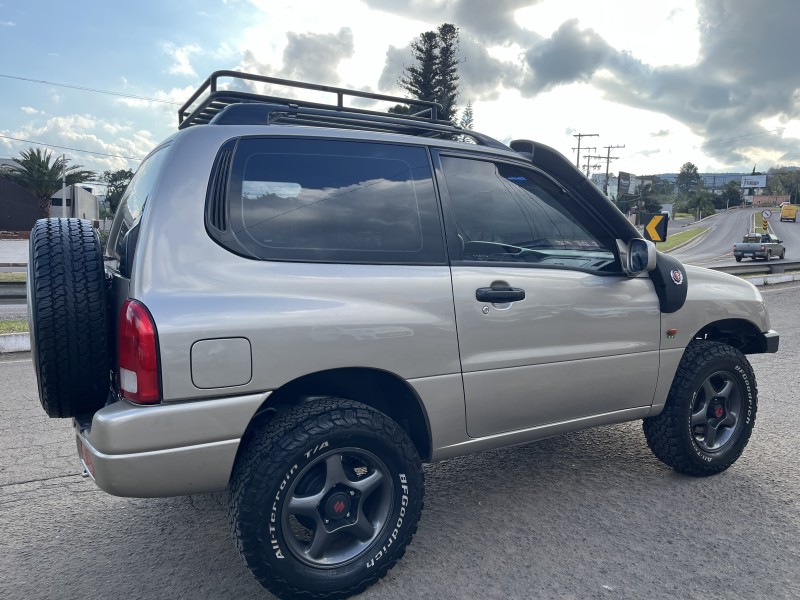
column 67, row 317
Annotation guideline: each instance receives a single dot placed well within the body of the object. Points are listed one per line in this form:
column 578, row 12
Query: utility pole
column 608, row 158
column 64, row 186
column 579, row 136
column 588, row 164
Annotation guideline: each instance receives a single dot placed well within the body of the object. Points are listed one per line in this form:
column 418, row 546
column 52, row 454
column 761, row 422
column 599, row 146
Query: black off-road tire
column 738, row 258
column 672, row 436
column 67, row 317
column 293, row 459
column 783, row 253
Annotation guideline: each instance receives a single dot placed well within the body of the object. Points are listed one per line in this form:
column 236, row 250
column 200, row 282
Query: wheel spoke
column 711, row 435
column 305, row 506
column 335, row 472
column 701, row 416
column 321, row 541
column 726, row 390
column 369, row 484
column 729, row 420
column 709, row 390
column 362, row 528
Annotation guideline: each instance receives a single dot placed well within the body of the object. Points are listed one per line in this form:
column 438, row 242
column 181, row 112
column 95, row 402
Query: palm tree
column 35, row 172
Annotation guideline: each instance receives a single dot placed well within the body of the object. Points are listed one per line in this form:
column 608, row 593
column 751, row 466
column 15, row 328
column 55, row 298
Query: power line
column 88, row 89
column 68, row 148
column 741, row 137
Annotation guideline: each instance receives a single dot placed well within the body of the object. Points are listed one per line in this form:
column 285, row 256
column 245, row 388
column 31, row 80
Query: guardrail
column 760, row 268
column 12, row 290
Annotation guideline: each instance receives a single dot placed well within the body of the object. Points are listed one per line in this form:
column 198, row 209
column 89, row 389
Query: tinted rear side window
column 133, row 201
column 333, row 201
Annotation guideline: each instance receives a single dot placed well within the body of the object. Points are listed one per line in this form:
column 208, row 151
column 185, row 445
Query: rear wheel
column 324, row 500
column 710, row 411
column 738, row 258
column 67, row 317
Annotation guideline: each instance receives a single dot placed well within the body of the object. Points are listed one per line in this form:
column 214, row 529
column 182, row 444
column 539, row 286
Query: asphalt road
column 715, row 247
column 586, row 515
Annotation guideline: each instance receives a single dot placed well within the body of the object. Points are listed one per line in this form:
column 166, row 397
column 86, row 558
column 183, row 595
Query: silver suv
column 303, row 302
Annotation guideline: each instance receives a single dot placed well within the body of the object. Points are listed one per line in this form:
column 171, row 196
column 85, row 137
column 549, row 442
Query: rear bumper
column 165, row 450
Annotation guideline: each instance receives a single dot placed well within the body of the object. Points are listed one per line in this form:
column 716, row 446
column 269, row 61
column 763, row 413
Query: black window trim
column 228, row 241
column 453, row 247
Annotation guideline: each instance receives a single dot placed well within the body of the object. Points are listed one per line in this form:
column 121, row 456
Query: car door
column 549, row 327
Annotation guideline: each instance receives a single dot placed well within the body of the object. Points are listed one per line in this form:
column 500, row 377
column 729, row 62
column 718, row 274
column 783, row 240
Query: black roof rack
column 227, row 107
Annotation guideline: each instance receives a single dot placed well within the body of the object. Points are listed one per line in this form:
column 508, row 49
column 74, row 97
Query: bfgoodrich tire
column 710, row 411
column 67, row 317
column 324, row 500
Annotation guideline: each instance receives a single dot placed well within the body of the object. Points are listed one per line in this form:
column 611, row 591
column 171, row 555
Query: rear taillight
column 137, row 357
column 762, row 248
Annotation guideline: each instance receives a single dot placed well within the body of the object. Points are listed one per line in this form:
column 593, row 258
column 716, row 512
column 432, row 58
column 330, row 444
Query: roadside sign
column 766, row 213
column 655, row 228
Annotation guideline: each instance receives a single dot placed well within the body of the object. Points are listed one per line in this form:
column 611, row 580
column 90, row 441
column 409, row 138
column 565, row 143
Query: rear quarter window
column 331, row 201
column 134, row 200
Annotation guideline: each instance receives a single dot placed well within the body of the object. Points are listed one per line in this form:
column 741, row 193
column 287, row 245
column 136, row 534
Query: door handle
column 499, row 295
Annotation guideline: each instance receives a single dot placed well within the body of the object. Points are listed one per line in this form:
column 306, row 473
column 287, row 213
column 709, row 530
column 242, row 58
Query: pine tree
column 419, row 79
column 447, row 70
column 467, row 119
column 434, row 75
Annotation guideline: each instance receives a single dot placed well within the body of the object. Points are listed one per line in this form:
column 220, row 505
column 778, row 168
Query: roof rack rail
column 226, row 107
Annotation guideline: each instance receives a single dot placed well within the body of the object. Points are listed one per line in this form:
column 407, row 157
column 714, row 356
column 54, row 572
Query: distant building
column 19, row 209
column 85, row 205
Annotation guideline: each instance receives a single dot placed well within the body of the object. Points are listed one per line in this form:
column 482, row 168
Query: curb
column 15, row 342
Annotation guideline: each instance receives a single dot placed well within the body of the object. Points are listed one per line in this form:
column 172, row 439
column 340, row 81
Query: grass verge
column 676, row 239
column 13, row 326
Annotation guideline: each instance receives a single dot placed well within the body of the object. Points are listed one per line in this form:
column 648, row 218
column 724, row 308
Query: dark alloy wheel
column 710, row 411
column 325, row 498
column 716, row 411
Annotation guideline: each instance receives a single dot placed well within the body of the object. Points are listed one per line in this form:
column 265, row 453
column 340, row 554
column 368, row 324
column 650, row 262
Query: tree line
column 690, row 194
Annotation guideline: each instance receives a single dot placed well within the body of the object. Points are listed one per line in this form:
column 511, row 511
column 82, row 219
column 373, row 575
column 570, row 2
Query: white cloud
column 29, row 110
column 7, row 24
column 89, row 133
column 181, row 56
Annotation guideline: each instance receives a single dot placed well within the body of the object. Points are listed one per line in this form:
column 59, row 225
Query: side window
column 511, row 214
column 133, row 201
column 333, row 201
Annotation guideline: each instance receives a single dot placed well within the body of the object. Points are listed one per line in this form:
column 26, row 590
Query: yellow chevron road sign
column 655, row 228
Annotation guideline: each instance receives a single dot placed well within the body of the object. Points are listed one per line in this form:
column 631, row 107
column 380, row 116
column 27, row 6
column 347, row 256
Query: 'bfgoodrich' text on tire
column 710, row 411
column 325, row 498
column 68, row 319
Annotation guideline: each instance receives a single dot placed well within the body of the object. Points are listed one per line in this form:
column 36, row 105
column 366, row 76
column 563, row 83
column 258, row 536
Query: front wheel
column 324, row 500
column 710, row 411
column 783, row 253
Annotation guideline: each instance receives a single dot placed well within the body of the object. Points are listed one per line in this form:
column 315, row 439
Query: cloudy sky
column 715, row 82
